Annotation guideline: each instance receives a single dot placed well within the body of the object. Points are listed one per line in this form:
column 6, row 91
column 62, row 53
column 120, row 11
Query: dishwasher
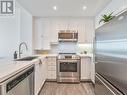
column 19, row 84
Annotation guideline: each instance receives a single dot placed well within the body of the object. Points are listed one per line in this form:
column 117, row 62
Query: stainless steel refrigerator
column 111, row 57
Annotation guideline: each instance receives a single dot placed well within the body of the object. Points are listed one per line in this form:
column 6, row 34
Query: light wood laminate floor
column 53, row 88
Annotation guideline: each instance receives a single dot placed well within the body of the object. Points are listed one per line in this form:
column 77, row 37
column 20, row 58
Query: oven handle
column 71, row 61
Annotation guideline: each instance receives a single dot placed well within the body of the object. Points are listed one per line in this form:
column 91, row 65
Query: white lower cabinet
column 85, row 68
column 40, row 76
column 51, row 68
column 37, row 78
column 51, row 75
column 46, row 69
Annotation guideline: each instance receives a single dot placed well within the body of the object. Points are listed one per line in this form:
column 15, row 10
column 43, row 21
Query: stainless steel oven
column 68, row 70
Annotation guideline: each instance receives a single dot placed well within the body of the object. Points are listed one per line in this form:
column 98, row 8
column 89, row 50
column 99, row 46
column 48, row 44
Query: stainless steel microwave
column 68, row 35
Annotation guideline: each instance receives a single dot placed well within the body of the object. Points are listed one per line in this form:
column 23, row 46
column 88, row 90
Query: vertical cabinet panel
column 37, row 34
column 38, row 79
column 85, row 68
column 40, row 75
column 45, row 34
column 82, row 31
column 51, row 68
column 89, row 31
column 54, row 26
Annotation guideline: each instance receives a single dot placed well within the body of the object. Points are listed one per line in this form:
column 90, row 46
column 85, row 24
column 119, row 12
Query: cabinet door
column 38, row 79
column 44, row 70
column 89, row 31
column 54, row 30
column 45, row 34
column 38, row 35
column 85, row 68
column 86, row 31
column 43, row 73
column 45, row 43
column 81, row 31
column 42, row 35
column 51, row 68
column 40, row 76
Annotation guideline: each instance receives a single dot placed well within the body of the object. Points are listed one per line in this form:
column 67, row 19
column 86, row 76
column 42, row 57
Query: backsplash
column 68, row 47
column 84, row 48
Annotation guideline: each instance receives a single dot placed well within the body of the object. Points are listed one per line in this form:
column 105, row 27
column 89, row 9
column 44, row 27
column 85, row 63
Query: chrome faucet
column 23, row 43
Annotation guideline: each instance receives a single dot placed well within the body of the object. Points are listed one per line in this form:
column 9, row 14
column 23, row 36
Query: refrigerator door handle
column 105, row 86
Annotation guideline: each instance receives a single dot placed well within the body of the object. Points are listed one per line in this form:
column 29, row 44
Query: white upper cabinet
column 37, row 34
column 54, row 26
column 42, row 34
column 86, row 31
column 46, row 30
column 89, row 35
column 45, row 34
column 81, row 31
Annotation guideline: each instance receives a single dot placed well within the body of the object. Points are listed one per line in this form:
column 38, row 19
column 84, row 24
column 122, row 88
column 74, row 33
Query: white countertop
column 9, row 68
column 85, row 55
column 49, row 55
column 55, row 55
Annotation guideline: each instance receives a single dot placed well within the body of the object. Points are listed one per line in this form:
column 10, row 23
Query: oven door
column 69, row 69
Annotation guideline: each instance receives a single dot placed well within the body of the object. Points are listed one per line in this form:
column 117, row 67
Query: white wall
column 9, row 34
column 13, row 30
column 115, row 6
column 26, row 29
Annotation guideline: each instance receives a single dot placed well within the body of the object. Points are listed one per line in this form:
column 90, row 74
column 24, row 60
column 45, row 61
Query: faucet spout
column 23, row 43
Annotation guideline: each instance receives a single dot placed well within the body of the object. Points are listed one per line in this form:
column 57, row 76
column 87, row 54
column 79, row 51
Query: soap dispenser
column 15, row 55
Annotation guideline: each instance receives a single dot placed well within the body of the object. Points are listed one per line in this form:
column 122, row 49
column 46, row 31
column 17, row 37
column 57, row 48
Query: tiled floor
column 53, row 88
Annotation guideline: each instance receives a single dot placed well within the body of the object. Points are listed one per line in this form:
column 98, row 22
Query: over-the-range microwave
column 68, row 36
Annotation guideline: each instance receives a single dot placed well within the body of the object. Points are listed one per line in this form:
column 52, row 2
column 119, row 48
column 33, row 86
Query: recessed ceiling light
column 84, row 8
column 55, row 8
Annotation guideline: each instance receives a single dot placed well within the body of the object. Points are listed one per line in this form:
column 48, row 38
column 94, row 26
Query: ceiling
column 44, row 8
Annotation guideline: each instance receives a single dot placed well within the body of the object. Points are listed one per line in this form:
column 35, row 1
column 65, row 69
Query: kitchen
column 51, row 48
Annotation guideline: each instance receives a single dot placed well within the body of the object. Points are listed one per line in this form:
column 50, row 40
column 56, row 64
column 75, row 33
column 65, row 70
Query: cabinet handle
column 40, row 62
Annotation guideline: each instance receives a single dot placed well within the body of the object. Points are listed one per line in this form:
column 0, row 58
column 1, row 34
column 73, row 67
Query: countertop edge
column 14, row 73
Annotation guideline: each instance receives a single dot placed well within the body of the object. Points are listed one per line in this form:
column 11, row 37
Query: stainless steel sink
column 29, row 58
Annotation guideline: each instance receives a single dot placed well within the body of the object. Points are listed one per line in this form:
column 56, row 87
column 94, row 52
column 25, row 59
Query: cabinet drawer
column 51, row 74
column 51, row 68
